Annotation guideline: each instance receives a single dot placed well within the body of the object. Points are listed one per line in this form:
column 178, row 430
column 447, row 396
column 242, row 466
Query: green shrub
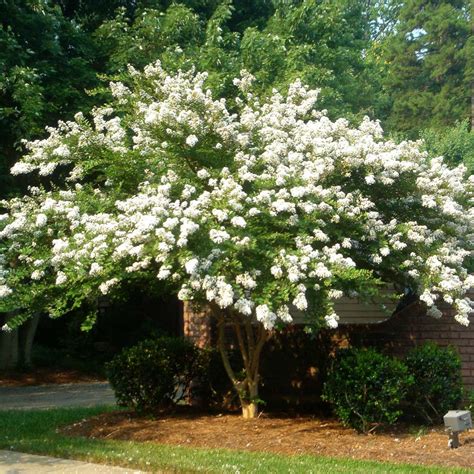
column 438, row 383
column 366, row 388
column 156, row 373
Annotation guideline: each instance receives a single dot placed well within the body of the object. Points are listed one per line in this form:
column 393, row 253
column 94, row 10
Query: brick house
column 411, row 327
column 368, row 325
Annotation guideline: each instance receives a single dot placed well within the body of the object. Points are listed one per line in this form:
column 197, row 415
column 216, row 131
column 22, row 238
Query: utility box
column 458, row 420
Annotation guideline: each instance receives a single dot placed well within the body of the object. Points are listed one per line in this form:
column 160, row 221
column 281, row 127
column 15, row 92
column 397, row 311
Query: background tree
column 46, row 63
column 429, row 65
column 320, row 42
column 455, row 144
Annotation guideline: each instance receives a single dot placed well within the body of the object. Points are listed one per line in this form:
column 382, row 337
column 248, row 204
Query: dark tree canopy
column 46, row 63
column 430, row 65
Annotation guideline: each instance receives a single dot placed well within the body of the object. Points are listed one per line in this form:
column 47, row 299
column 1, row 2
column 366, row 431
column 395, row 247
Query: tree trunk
column 9, row 354
column 16, row 345
column 251, row 339
column 250, row 405
column 249, row 410
column 27, row 335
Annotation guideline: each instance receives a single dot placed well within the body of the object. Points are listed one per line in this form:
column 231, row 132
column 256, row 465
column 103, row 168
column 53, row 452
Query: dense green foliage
column 46, row 63
column 438, row 384
column 429, row 65
column 276, row 41
column 366, row 388
column 155, row 374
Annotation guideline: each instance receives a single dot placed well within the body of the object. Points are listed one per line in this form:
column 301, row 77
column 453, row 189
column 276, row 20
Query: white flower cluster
column 5, row 290
column 264, row 209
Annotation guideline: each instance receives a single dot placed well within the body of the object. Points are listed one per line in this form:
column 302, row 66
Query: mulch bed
column 43, row 376
column 280, row 434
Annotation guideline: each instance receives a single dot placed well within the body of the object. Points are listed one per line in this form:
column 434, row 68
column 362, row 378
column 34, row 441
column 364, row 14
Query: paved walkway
column 56, row 396
column 12, row 462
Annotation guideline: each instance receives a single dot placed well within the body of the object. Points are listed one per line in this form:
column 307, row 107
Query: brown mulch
column 284, row 435
column 43, row 376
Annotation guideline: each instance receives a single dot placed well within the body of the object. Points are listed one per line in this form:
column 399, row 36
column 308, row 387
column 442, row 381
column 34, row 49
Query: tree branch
column 243, row 350
column 225, row 357
column 263, row 336
column 250, row 336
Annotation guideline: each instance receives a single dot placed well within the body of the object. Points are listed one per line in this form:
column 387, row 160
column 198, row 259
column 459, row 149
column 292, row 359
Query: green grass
column 36, row 432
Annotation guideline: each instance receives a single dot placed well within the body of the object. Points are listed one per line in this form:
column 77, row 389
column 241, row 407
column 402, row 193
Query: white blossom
column 164, row 273
column 370, row 179
column 37, row 275
column 61, row 278
column 218, row 236
column 191, row 140
column 203, row 174
column 238, row 221
column 332, row 320
column 192, row 266
column 276, row 271
column 107, row 285
column 283, row 313
column 41, row 220
column 265, row 316
column 300, row 302
column 244, row 306
column 246, row 281
column 5, row 291
column 185, row 293
column 95, row 269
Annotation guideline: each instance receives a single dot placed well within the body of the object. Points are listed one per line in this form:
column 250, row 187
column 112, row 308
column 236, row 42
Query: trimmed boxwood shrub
column 156, row 373
column 366, row 388
column 438, row 383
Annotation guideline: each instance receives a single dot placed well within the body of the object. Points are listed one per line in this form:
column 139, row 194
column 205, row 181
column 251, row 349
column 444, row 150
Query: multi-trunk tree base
column 16, row 345
column 251, row 338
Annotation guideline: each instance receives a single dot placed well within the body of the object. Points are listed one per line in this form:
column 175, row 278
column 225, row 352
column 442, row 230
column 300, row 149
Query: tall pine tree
column 429, row 66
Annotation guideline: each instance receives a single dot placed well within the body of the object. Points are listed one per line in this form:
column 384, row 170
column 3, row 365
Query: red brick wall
column 397, row 335
column 412, row 327
column 197, row 324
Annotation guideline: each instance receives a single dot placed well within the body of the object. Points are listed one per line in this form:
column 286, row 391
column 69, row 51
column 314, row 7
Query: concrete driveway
column 56, row 396
column 12, row 462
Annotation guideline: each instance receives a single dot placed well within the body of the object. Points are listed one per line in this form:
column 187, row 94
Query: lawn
column 36, row 432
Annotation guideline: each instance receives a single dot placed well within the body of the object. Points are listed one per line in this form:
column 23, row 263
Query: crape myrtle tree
column 254, row 207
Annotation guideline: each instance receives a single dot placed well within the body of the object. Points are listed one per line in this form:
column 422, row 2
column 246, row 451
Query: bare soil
column 284, row 435
column 44, row 376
